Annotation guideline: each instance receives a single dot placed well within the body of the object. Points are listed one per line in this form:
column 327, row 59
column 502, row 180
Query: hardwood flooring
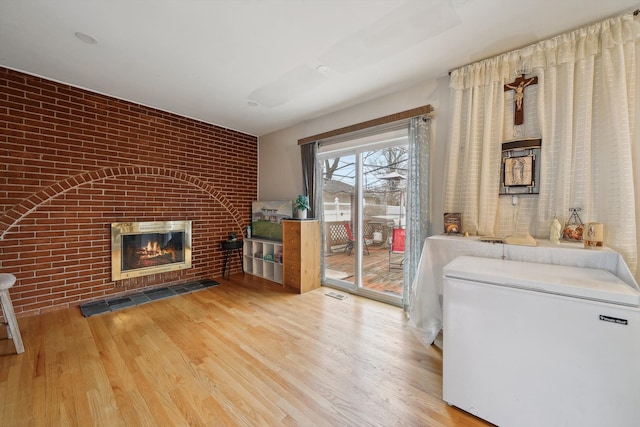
column 243, row 353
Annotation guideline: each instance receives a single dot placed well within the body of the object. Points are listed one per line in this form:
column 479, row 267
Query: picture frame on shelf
column 452, row 223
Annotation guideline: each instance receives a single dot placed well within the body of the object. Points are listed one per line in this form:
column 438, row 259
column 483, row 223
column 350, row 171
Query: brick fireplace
column 74, row 162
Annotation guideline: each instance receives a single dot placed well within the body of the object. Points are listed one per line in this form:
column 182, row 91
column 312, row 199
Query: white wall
column 279, row 164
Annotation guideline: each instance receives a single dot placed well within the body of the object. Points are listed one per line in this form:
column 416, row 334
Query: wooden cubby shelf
column 294, row 262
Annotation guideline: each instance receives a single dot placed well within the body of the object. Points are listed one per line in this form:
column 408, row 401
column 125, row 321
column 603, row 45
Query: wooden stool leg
column 10, row 317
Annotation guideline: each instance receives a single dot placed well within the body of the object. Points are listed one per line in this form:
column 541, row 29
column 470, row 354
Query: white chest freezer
column 529, row 344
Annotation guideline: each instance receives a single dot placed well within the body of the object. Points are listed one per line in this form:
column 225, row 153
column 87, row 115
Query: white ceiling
column 210, row 59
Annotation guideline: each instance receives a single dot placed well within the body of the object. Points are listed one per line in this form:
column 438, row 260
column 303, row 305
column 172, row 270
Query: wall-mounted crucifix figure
column 518, row 86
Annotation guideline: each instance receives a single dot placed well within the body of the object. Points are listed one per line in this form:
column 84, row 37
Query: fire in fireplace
column 144, row 248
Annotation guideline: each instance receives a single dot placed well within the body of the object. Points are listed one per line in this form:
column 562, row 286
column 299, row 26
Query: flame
column 153, row 249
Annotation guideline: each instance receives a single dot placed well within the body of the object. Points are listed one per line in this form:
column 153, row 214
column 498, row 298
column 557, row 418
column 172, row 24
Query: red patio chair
column 349, row 247
column 397, row 247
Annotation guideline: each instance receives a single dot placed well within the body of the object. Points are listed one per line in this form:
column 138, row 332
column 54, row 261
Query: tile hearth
column 106, row 306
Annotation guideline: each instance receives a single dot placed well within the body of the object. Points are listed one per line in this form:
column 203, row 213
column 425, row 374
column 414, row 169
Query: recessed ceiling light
column 86, row 38
column 322, row 68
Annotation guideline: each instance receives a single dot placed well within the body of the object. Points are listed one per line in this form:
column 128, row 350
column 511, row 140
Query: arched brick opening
column 13, row 216
column 56, row 241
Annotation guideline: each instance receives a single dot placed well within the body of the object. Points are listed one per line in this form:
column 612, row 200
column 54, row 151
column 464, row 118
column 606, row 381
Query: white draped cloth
column 585, row 108
column 425, row 314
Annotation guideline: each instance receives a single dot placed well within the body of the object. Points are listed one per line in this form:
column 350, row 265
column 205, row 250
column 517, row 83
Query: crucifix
column 518, row 86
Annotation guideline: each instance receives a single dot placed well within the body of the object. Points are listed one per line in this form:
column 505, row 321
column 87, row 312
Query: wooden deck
column 377, row 275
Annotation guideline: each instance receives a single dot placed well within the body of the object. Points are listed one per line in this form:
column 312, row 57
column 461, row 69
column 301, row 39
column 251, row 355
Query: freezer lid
column 577, row 282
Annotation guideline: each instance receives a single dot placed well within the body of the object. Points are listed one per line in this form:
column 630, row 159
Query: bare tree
column 330, row 168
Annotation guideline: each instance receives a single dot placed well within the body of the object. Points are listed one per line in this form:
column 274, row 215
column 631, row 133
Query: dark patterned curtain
column 308, row 153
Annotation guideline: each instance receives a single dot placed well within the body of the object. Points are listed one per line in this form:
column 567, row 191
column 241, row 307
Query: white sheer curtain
column 418, row 209
column 584, row 108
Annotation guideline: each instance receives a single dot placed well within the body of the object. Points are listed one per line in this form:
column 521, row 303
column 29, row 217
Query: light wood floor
column 242, row 353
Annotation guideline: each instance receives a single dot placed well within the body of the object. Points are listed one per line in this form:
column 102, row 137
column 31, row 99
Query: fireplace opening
column 144, row 248
column 150, row 250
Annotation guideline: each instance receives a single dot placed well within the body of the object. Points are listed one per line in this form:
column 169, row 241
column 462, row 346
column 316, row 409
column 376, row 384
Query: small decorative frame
column 520, row 167
column 452, row 223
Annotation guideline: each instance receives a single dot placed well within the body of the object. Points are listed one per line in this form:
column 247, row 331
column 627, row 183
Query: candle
column 594, row 235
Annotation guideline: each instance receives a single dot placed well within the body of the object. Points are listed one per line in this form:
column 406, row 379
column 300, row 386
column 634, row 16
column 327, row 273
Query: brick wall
column 74, row 161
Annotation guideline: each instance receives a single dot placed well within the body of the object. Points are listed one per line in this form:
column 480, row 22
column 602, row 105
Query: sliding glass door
column 364, row 202
column 340, row 207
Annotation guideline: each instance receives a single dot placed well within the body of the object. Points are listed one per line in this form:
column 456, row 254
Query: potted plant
column 302, row 205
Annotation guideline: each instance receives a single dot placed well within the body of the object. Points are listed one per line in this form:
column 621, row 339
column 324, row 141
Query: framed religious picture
column 518, row 171
column 520, row 168
column 453, row 222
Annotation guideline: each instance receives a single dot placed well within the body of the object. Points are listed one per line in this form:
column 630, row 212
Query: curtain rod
column 419, row 111
column 635, row 13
